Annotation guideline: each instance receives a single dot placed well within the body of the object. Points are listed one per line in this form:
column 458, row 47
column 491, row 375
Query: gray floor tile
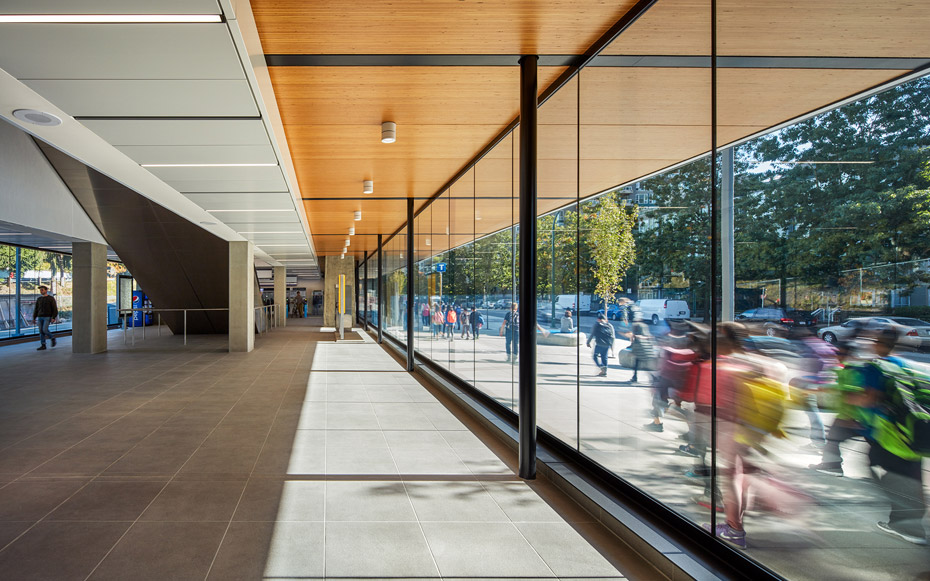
column 59, row 550
column 379, row 550
column 30, row 501
column 244, row 552
column 296, row 551
column 453, row 502
column 195, row 501
column 503, row 550
column 270, row 500
column 565, row 551
column 163, row 550
column 108, row 501
column 367, row 501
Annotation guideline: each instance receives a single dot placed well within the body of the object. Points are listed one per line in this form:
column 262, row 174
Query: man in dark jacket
column 603, row 335
column 45, row 311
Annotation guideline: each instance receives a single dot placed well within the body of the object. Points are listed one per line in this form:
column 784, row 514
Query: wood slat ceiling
column 634, row 121
column 804, row 28
column 433, row 26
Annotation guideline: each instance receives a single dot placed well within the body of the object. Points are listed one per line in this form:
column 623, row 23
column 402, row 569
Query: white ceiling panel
column 275, row 217
column 231, row 185
column 244, row 226
column 260, row 239
column 200, row 153
column 111, row 7
column 179, row 131
column 170, row 174
column 244, row 201
column 149, row 98
column 127, row 51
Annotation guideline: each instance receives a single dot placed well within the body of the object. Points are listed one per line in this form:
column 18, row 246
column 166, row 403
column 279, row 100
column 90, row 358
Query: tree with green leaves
column 609, row 236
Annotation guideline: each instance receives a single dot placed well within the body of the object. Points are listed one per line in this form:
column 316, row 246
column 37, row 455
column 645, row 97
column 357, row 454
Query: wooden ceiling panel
column 433, row 26
column 826, row 28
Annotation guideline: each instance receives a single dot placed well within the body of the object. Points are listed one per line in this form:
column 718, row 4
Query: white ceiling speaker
column 368, row 187
column 358, row 215
column 37, row 117
column 388, row 132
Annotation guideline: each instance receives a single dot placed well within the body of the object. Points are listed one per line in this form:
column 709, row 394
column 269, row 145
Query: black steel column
column 527, row 307
column 380, row 288
column 411, row 307
column 356, row 291
column 365, row 295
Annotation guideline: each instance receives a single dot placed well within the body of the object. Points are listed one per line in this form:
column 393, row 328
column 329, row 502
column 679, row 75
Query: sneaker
column 729, row 534
column 704, row 500
column 687, row 450
column 41, row 348
column 887, row 528
column 698, row 473
column 602, row 372
column 653, row 427
column 54, row 342
column 827, row 469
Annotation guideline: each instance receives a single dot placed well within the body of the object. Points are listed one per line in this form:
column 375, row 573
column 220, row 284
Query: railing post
column 527, row 306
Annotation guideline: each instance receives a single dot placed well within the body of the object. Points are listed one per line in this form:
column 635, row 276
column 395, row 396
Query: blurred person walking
column 643, row 346
column 510, row 331
column 603, row 335
column 45, row 312
column 477, row 322
column 466, row 323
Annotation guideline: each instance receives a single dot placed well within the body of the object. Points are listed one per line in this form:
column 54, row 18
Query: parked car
column 772, row 319
column 803, row 318
column 614, row 312
column 913, row 333
column 656, row 310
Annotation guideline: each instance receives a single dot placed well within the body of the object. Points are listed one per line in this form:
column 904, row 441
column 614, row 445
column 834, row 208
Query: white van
column 655, row 310
column 568, row 302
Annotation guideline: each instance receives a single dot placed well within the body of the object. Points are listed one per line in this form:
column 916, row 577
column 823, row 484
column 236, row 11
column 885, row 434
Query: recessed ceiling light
column 368, row 187
column 358, row 215
column 106, row 18
column 208, row 164
column 388, row 132
column 37, row 117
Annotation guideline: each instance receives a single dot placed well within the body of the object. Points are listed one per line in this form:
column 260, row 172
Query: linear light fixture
column 253, row 210
column 278, row 245
column 208, row 164
column 274, row 232
column 107, row 18
column 15, row 234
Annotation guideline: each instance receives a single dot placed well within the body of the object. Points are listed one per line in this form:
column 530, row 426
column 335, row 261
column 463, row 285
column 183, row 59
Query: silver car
column 913, row 333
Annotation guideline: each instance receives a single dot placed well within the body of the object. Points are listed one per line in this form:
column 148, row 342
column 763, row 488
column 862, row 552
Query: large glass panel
column 427, row 299
column 495, row 255
column 824, row 270
column 644, row 255
column 461, row 277
column 558, row 317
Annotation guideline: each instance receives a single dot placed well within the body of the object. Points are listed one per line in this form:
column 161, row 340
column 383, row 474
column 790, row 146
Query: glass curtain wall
column 714, row 285
column 23, row 271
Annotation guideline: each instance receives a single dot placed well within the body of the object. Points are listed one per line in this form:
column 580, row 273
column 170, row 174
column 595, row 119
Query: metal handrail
column 154, row 310
column 269, row 318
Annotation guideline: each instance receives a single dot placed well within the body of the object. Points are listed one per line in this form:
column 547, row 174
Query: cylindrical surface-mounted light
column 388, row 132
column 352, row 231
column 358, row 215
column 348, row 242
column 368, row 187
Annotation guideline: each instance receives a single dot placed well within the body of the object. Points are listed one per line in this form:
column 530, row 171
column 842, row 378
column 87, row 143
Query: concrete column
column 241, row 297
column 334, row 266
column 89, row 314
column 280, row 294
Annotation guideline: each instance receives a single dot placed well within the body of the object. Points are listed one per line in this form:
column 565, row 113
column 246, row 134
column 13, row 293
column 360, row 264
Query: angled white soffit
column 182, row 100
column 87, row 147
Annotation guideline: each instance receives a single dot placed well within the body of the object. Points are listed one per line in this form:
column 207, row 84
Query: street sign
column 440, row 267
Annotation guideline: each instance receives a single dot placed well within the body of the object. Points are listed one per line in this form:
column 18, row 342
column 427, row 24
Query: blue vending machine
column 140, row 301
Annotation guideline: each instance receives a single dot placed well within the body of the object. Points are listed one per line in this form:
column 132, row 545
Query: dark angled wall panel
column 178, row 264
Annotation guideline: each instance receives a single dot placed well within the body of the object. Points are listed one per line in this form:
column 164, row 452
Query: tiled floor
column 301, row 460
